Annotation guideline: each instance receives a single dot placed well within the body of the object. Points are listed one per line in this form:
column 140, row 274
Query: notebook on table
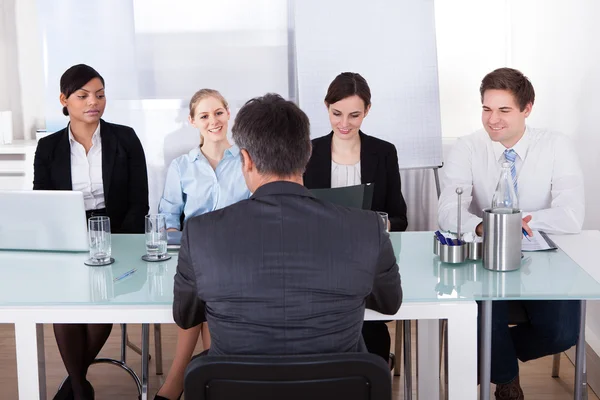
column 538, row 242
column 173, row 240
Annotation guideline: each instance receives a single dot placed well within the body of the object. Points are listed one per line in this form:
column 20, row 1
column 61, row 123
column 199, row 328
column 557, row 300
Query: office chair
column 348, row 376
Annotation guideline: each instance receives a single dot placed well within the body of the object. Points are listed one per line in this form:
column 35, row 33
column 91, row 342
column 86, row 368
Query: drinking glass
column 384, row 217
column 99, row 241
column 156, row 237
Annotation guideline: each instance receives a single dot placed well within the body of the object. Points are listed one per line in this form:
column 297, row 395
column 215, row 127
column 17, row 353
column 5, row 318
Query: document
column 173, row 240
column 538, row 242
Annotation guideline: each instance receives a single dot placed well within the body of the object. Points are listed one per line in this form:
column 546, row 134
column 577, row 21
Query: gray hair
column 276, row 134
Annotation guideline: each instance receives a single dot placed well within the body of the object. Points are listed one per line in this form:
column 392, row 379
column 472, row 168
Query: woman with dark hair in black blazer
column 349, row 157
column 106, row 162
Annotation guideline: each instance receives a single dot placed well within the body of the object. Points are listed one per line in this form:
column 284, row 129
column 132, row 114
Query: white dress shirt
column 549, row 180
column 343, row 175
column 86, row 170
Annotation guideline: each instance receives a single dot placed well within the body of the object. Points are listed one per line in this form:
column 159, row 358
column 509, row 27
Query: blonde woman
column 207, row 178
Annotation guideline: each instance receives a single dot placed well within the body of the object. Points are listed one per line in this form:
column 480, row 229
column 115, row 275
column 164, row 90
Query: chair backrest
column 358, row 196
column 348, row 376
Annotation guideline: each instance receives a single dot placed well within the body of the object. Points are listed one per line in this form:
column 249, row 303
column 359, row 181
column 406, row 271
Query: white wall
column 559, row 51
column 30, row 72
column 10, row 92
column 553, row 42
column 471, row 41
column 21, row 66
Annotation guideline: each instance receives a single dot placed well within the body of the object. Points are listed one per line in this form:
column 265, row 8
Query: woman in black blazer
column 107, row 163
column 347, row 157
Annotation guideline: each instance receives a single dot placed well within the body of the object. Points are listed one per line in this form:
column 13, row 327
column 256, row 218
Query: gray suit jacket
column 284, row 273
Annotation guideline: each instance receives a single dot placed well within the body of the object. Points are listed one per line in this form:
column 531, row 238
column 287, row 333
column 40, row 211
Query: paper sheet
column 538, row 242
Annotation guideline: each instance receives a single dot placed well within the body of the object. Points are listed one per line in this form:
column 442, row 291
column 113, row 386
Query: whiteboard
column 392, row 45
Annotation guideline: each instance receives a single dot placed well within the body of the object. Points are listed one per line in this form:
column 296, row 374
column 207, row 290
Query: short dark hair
column 75, row 78
column 276, row 134
column 348, row 84
column 512, row 80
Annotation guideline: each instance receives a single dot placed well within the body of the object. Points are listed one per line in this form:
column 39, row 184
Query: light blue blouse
column 194, row 188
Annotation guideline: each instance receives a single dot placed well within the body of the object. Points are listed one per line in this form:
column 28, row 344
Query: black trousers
column 377, row 338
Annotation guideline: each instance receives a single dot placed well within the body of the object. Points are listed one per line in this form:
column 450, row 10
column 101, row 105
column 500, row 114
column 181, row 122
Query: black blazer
column 378, row 165
column 124, row 174
column 293, row 277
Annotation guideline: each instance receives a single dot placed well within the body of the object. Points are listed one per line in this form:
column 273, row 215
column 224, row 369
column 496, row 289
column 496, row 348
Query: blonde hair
column 202, row 94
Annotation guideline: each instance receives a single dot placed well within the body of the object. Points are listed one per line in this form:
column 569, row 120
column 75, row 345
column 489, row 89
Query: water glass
column 99, row 240
column 156, row 236
column 384, row 217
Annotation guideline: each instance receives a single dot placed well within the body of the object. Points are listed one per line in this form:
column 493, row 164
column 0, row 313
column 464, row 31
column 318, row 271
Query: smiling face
column 86, row 104
column 211, row 117
column 346, row 116
column 502, row 118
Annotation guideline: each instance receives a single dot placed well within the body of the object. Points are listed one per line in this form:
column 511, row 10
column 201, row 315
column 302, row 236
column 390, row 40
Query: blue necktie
column 511, row 156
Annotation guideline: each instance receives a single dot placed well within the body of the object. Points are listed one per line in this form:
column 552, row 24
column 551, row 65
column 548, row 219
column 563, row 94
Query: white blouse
column 86, row 170
column 343, row 175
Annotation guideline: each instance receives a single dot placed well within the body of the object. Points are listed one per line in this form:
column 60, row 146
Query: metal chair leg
column 124, row 340
column 132, row 346
column 145, row 360
column 123, row 366
column 398, row 348
column 158, row 349
column 555, row 365
column 407, row 361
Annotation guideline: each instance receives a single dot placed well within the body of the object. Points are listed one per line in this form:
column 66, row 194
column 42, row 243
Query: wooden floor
column 111, row 382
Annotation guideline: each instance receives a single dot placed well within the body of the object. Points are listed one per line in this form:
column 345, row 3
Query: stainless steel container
column 450, row 254
column 474, row 250
column 501, row 240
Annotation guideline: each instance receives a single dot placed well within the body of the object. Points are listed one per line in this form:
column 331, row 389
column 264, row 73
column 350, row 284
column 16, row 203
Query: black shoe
column 65, row 392
column 392, row 361
column 90, row 394
column 159, row 397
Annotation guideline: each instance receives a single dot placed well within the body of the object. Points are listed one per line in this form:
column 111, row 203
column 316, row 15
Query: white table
column 38, row 288
column 551, row 275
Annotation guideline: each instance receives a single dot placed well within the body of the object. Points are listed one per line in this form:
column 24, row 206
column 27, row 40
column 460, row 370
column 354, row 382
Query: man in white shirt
column 549, row 185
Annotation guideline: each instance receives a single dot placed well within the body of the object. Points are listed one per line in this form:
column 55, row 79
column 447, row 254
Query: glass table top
column 43, row 278
column 548, row 275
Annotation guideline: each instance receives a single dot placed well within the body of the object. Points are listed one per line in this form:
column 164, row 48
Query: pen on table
column 440, row 237
column 525, row 234
column 125, row 275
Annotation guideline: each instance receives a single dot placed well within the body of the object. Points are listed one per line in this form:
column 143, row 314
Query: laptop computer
column 51, row 220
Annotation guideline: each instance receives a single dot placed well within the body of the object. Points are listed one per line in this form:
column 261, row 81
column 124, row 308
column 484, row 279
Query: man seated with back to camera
column 283, row 272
